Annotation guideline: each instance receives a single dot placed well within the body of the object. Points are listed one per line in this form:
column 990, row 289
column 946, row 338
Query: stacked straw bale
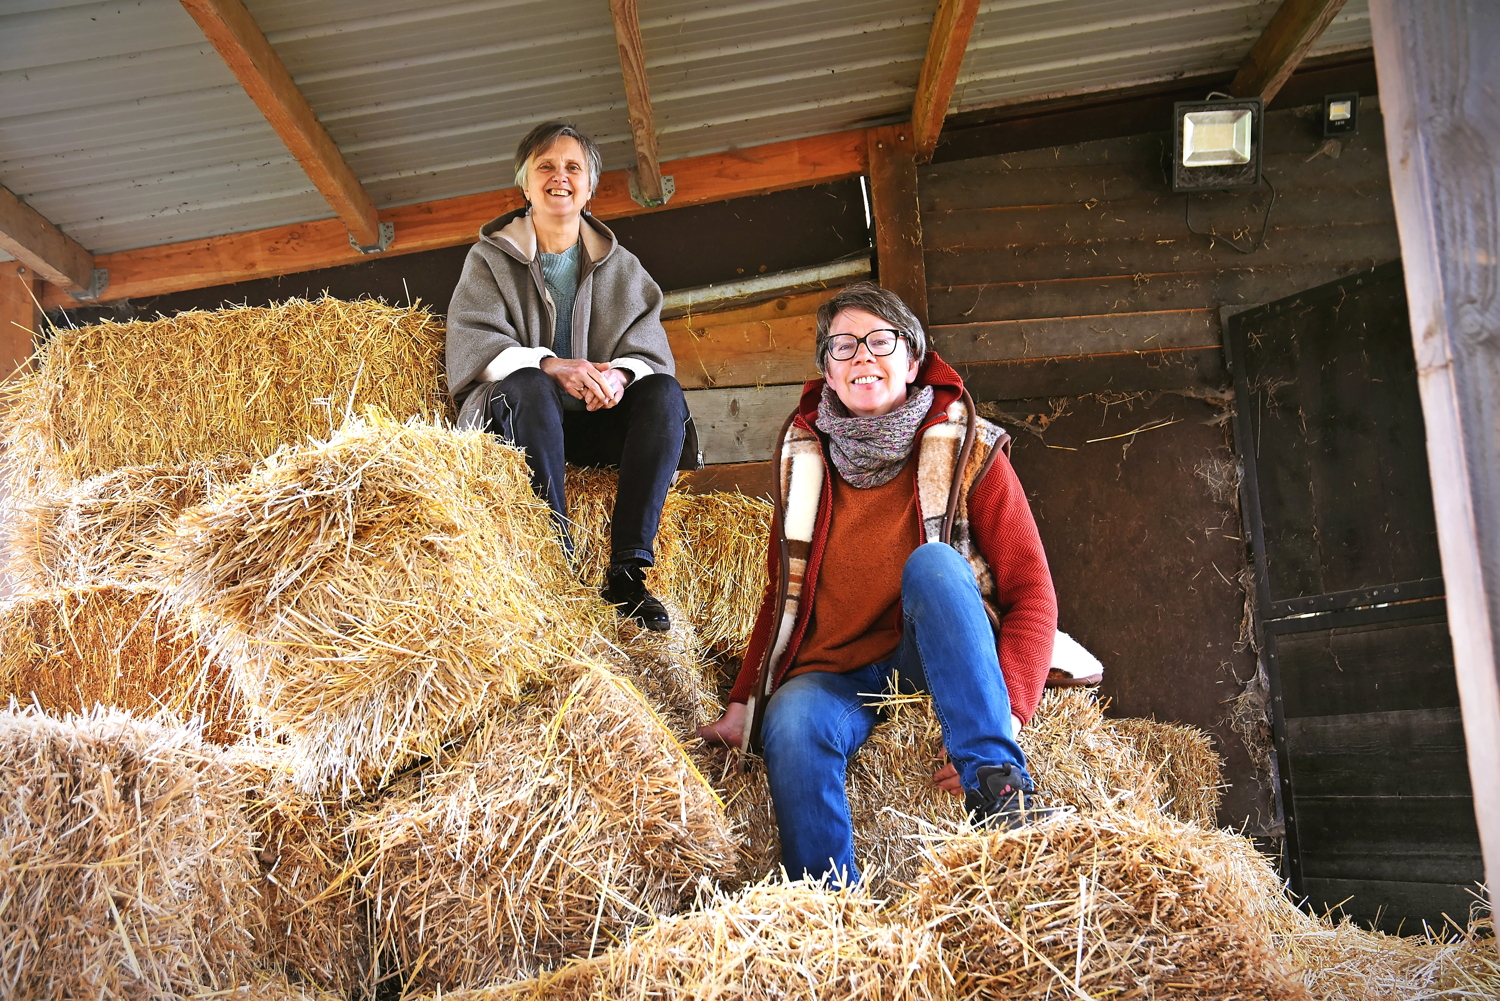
column 787, row 942
column 1117, row 904
column 108, row 529
column 557, row 826
column 1345, row 962
column 710, row 555
column 204, row 386
column 374, row 594
column 113, row 645
column 316, row 918
column 1073, row 753
column 127, row 865
column 1186, row 766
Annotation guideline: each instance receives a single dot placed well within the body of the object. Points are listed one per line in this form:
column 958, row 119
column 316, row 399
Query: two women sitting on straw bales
column 555, row 343
column 886, row 572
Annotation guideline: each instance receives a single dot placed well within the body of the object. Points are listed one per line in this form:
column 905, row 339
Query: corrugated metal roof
column 1025, row 50
column 119, row 122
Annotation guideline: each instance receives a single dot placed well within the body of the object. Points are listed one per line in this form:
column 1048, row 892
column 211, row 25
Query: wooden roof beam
column 265, row 78
column 1279, row 50
column 452, row 222
column 638, row 101
column 951, row 27
column 30, row 238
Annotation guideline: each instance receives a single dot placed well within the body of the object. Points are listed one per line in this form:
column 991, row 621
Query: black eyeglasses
column 842, row 347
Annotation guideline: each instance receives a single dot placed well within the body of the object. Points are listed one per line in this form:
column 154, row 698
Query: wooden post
column 638, row 99
column 20, row 291
column 1437, row 64
column 898, row 220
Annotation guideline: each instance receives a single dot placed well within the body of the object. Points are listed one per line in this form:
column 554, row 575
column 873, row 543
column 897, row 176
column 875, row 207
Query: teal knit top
column 560, row 272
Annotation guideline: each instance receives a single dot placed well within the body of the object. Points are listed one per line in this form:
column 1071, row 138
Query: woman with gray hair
column 903, row 554
column 555, row 344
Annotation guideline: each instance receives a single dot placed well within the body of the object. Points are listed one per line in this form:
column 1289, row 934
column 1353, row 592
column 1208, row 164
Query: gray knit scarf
column 870, row 451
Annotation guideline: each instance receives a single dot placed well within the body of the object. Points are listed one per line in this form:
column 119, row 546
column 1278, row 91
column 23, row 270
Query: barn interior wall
column 1067, row 287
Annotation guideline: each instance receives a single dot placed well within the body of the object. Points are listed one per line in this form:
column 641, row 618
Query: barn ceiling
column 122, row 125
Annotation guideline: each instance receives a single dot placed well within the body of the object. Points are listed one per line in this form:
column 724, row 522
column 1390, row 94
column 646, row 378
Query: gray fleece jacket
column 501, row 316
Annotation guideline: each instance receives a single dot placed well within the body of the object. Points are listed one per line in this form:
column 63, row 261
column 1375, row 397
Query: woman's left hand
column 946, row 778
column 617, row 380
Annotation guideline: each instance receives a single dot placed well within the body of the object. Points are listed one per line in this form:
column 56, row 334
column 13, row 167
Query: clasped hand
column 596, row 384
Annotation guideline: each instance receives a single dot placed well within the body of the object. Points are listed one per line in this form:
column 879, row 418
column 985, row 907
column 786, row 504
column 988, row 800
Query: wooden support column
column 231, row 29
column 1437, row 64
column 20, row 291
column 1279, row 50
column 946, row 43
column 898, row 220
column 638, row 99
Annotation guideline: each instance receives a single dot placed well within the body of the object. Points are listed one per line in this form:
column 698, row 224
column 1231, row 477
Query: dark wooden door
column 1373, row 776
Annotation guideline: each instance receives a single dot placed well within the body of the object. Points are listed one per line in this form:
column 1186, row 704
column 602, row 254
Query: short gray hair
column 543, row 137
column 876, row 301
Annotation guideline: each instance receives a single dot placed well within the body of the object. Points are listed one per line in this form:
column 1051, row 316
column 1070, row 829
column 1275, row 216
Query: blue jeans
column 816, row 721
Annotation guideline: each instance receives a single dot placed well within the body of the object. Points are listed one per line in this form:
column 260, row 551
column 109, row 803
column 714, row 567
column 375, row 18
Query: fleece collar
column 515, row 234
column 947, row 386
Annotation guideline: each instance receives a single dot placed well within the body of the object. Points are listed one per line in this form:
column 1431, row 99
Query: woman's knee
column 660, row 394
column 935, row 572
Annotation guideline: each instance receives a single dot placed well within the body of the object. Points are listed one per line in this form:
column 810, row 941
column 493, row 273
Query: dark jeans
column 642, row 435
column 815, row 722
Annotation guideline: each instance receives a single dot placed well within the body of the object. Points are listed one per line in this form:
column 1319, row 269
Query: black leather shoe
column 1005, row 800
column 625, row 588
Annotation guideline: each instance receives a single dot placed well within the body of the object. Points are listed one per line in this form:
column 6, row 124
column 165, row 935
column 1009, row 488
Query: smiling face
column 866, row 385
column 557, row 180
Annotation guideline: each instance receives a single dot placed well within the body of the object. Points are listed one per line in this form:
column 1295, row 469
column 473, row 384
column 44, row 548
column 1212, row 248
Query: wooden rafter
column 951, row 27
column 264, row 76
column 637, row 98
column 30, row 238
column 451, row 222
column 1278, row 51
column 19, row 320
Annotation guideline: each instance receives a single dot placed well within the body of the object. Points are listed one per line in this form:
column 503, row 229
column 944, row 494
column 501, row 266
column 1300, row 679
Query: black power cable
column 1265, row 226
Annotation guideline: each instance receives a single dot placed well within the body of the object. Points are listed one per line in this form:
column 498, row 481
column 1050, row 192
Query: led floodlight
column 1216, row 144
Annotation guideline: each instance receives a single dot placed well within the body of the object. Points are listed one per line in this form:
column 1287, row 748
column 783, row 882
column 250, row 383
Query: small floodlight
column 1340, row 114
column 1216, row 144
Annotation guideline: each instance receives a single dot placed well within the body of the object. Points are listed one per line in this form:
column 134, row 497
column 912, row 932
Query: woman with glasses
column 903, row 555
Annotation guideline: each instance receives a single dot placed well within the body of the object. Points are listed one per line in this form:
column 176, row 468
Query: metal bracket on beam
column 96, row 287
column 387, row 235
column 668, row 189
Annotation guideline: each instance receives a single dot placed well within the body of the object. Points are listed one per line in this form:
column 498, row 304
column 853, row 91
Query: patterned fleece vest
column 952, row 456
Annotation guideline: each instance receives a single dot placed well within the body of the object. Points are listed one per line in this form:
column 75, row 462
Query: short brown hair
column 876, row 301
column 541, row 139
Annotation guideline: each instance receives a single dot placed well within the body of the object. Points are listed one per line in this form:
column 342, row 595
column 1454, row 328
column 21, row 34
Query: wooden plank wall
column 1071, row 270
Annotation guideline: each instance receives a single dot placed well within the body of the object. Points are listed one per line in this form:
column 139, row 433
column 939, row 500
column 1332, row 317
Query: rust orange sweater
column 857, row 596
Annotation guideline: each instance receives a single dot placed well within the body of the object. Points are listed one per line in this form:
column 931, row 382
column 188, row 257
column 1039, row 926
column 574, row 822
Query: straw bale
column 317, row 919
column 127, row 867
column 113, row 645
column 109, row 528
column 1345, row 962
column 203, row 386
column 666, row 669
column 1072, row 752
column 1120, row 904
column 557, row 826
column 374, row 594
column 775, row 941
column 1191, row 774
column 710, row 555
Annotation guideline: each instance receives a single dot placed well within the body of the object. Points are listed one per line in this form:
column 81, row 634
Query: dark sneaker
column 625, row 588
column 1005, row 800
